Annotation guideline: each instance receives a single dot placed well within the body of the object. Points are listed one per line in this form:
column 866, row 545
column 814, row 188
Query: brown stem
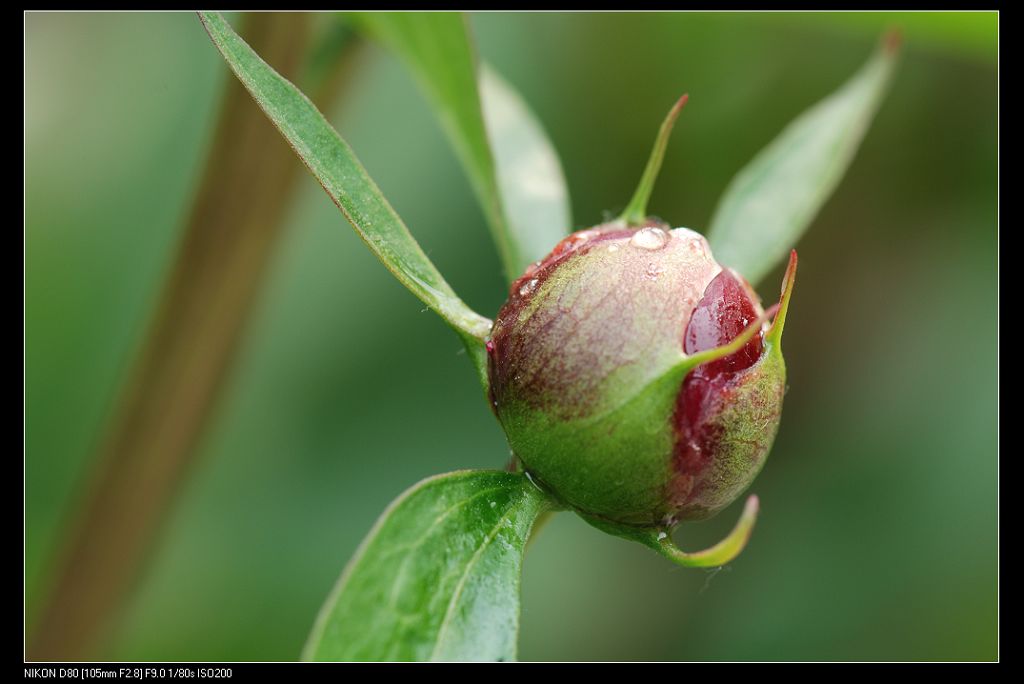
column 174, row 383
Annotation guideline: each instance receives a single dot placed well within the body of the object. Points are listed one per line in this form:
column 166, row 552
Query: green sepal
column 660, row 539
column 774, row 334
column 635, row 212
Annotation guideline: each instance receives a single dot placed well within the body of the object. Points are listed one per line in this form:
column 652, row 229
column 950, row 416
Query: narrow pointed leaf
column 533, row 189
column 336, row 167
column 437, row 578
column 511, row 165
column 635, row 212
column 773, row 200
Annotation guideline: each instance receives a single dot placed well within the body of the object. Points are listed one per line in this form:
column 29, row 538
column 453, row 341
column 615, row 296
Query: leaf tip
column 678, row 107
column 892, row 41
column 752, row 507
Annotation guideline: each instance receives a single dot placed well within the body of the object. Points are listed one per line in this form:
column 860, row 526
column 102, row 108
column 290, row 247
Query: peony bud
column 609, row 374
column 635, row 376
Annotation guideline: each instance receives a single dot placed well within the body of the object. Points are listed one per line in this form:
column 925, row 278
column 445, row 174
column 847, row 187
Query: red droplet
column 489, row 346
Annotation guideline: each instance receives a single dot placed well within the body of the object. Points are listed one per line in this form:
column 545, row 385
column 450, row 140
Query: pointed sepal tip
column 635, row 212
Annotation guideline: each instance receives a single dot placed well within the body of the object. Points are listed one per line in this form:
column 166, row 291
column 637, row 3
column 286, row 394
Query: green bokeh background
column 878, row 535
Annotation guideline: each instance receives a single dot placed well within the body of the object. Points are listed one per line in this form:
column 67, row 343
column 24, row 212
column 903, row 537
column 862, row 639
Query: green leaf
column 338, row 170
column 437, row 578
column 773, row 200
column 533, row 188
column 518, row 181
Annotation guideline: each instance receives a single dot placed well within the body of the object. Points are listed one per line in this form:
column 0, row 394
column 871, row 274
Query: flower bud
column 636, row 377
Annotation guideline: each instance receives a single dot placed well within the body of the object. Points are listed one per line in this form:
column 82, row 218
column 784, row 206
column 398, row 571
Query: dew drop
column 530, row 478
column 613, row 248
column 662, row 536
column 649, row 238
column 489, row 346
column 528, row 287
column 654, row 270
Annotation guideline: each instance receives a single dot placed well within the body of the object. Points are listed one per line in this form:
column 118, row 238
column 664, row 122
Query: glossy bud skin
column 590, row 379
column 727, row 411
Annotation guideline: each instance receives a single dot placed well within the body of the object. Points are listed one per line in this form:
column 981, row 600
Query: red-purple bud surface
column 699, row 487
column 608, row 375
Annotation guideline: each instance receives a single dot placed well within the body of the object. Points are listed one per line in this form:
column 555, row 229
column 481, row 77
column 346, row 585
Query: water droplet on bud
column 649, row 238
column 528, row 287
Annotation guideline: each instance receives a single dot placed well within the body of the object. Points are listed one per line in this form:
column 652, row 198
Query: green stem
column 636, row 211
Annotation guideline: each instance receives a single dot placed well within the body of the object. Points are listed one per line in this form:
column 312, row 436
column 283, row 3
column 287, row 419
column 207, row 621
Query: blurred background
column 878, row 534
